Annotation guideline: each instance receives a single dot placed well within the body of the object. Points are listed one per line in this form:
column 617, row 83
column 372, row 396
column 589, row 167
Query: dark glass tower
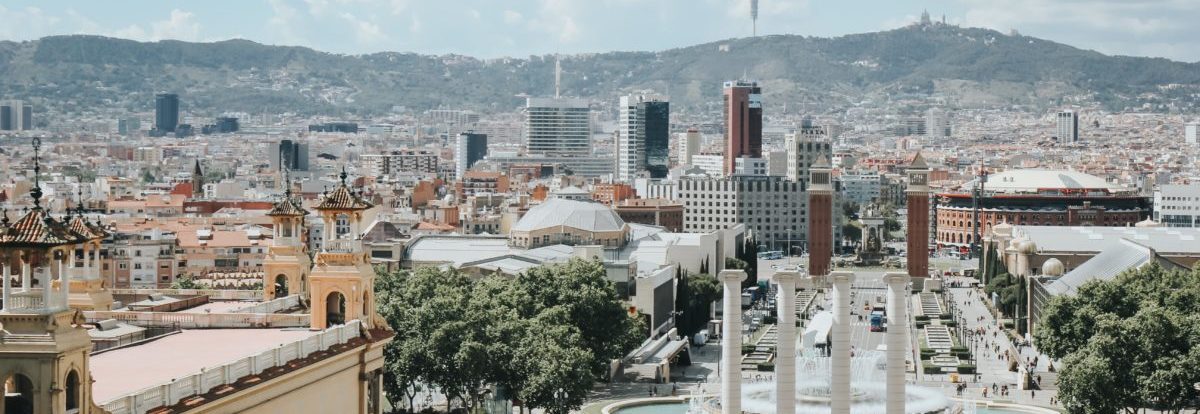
column 166, row 112
column 657, row 125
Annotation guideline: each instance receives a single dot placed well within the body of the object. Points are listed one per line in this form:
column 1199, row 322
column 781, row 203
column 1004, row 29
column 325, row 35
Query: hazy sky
column 492, row 28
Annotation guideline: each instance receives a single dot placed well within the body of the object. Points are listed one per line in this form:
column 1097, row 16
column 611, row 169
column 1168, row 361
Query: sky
column 518, row 28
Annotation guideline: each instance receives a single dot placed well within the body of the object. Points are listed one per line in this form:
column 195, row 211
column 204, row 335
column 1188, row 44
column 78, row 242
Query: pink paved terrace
column 133, row 369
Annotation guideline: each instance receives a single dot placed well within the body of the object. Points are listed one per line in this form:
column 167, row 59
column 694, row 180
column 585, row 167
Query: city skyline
column 1154, row 28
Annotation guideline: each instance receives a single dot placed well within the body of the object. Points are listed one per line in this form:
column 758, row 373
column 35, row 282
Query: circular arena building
column 1036, row 197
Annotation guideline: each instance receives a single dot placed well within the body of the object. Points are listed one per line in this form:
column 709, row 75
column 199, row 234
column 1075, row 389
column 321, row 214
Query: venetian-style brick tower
column 820, row 219
column 918, row 217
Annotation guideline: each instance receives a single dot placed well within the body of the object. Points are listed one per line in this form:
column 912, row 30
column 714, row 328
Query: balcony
column 342, row 246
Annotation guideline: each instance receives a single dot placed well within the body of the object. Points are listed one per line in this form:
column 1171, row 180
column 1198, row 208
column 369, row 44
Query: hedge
column 766, row 366
column 966, row 369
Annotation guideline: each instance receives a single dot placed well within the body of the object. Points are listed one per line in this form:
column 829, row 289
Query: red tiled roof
column 342, row 199
column 37, row 229
column 288, row 206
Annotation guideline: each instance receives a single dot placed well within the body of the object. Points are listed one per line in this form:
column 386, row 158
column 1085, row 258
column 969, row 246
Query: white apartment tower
column 689, row 146
column 804, row 147
column 1068, row 126
column 772, row 207
column 558, row 127
column 633, row 134
column 937, row 123
column 1190, row 131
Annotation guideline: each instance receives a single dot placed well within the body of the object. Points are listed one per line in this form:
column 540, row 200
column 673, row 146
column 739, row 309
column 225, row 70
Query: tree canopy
column 1126, row 344
column 544, row 336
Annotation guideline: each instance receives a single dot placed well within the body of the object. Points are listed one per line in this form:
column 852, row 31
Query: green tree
column 696, row 298
column 185, row 283
column 852, row 233
column 580, row 287
column 1127, row 344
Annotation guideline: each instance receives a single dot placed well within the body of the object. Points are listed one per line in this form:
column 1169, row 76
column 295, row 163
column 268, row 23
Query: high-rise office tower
column 26, row 117
column 166, row 112
column 16, row 116
column 1068, row 126
column 293, row 154
column 469, row 149
column 689, row 146
column 1190, row 132
column 643, row 136
column 6, row 115
column 558, row 127
column 804, row 148
column 743, row 122
column 128, row 126
column 937, row 123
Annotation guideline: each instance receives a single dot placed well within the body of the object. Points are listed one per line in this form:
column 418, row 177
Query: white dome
column 582, row 215
column 1033, row 181
column 1027, row 247
column 1053, row 267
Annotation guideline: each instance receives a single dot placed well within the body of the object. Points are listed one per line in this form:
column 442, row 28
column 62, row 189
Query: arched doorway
column 18, row 395
column 335, row 309
column 281, row 287
column 72, row 390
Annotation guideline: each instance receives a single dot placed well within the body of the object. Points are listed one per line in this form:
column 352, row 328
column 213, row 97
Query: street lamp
column 560, row 403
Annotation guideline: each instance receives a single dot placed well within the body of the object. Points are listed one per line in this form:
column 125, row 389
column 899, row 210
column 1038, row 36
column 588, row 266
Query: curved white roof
column 583, row 215
column 1031, row 180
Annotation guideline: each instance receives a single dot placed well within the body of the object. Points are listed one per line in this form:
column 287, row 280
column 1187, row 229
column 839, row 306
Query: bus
column 877, row 320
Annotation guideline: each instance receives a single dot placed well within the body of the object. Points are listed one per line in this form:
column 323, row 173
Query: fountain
column 867, row 387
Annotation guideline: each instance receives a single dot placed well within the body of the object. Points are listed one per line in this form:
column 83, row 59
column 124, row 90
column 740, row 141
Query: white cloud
column 399, row 6
column 180, row 25
column 557, row 17
column 415, row 24
column 133, row 32
column 317, row 7
column 282, row 20
column 512, row 17
column 27, row 23
column 364, row 31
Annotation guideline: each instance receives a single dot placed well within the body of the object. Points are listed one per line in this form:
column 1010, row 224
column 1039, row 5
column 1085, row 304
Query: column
column 26, row 273
column 785, row 348
column 47, row 275
column 7, row 283
column 839, row 386
column 64, row 277
column 328, row 232
column 896, row 339
column 731, row 342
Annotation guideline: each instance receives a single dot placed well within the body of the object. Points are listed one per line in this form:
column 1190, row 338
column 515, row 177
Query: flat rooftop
column 131, row 369
column 220, row 307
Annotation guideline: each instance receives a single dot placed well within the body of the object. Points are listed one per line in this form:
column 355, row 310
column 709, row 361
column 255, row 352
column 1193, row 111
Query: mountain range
column 965, row 67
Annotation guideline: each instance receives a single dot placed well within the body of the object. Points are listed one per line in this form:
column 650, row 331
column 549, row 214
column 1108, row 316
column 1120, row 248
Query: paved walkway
column 990, row 349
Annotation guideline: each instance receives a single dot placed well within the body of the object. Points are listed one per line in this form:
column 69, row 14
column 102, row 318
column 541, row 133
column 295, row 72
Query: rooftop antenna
column 36, row 192
column 557, row 76
column 754, row 18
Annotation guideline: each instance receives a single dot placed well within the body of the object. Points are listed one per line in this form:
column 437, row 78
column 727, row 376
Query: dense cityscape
column 725, row 247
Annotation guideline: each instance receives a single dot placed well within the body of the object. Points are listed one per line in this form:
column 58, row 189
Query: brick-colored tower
column 820, row 218
column 918, row 217
column 743, row 122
